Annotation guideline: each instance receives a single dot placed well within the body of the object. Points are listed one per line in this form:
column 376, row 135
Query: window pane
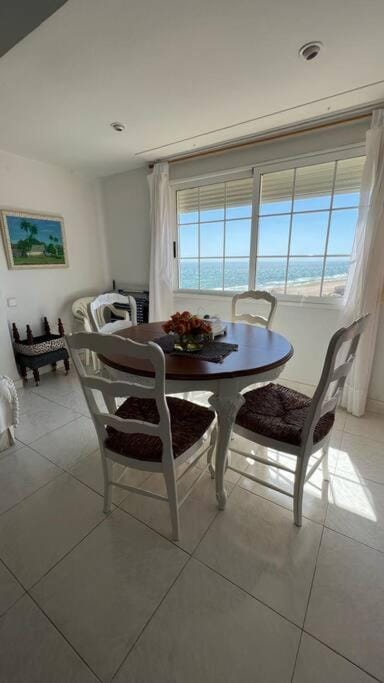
column 276, row 192
column 348, row 182
column 211, row 274
column 342, row 231
column 273, row 235
column 211, row 239
column 304, row 276
column 212, row 202
column 236, row 273
column 270, row 273
column 188, row 205
column 188, row 241
column 309, row 231
column 335, row 276
column 239, row 198
column 189, row 274
column 237, row 238
column 313, row 187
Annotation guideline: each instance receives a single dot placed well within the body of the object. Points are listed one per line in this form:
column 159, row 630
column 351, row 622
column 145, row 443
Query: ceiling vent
column 311, row 50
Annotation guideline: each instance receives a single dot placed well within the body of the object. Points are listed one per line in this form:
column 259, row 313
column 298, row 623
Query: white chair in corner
column 80, row 312
column 290, row 422
column 256, row 295
column 100, row 309
column 148, row 431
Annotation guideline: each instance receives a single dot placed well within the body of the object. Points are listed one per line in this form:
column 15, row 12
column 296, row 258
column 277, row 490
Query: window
column 214, row 235
column 297, row 241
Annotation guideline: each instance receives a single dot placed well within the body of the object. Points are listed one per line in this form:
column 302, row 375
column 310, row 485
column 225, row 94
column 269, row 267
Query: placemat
column 212, row 351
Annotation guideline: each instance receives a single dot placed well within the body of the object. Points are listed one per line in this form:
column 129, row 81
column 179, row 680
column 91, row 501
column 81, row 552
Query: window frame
column 256, row 171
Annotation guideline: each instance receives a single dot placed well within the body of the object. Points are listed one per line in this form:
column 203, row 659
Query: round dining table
column 261, row 357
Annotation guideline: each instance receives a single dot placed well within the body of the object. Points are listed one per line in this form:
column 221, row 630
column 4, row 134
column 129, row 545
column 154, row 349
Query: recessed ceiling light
column 118, row 127
column 310, row 50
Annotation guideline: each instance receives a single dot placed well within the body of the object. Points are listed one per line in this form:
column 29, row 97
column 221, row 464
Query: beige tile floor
column 245, row 597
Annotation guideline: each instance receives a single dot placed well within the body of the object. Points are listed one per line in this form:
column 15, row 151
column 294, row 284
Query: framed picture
column 33, row 240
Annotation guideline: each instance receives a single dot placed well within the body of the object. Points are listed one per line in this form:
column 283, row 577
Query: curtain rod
column 264, row 138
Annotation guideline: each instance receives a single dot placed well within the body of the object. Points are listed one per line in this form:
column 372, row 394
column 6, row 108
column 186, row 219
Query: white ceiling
column 178, row 71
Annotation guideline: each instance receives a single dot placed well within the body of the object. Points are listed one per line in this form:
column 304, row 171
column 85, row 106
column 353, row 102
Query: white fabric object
column 9, row 411
column 161, row 268
column 366, row 275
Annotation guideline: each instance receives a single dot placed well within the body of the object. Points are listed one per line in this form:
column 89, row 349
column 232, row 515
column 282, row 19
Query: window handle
column 174, row 250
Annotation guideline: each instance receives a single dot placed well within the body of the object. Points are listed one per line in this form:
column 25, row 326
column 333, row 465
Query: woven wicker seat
column 189, row 422
column 279, row 413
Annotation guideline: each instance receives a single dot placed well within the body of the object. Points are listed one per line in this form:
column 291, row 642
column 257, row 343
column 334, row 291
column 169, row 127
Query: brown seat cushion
column 279, row 413
column 188, row 424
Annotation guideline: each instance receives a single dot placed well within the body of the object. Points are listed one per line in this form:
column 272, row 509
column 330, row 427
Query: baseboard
column 374, row 406
column 307, row 389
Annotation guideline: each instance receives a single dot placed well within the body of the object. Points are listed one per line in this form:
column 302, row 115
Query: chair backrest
column 249, row 317
column 110, row 346
column 326, row 396
column 80, row 311
column 105, row 303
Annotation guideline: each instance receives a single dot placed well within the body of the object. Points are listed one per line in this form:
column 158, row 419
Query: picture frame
column 33, row 240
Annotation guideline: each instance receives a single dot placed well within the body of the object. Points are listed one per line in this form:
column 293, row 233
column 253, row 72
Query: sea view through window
column 305, row 225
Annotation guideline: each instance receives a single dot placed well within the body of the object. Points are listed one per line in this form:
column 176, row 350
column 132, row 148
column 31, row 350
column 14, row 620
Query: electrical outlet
column 11, row 302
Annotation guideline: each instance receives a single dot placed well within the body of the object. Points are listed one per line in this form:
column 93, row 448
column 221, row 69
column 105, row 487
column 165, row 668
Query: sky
column 44, row 227
column 308, row 236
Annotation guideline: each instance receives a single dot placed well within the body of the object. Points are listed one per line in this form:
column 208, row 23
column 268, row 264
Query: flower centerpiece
column 191, row 331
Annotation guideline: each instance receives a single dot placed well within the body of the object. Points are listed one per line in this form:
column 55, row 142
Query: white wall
column 30, row 185
column 126, row 198
column 309, row 327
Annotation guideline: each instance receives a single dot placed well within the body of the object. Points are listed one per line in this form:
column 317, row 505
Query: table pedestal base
column 227, row 403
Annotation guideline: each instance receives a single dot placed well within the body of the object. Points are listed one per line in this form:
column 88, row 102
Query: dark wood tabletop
column 259, row 350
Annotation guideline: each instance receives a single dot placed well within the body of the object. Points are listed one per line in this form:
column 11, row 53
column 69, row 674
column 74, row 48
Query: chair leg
column 326, row 463
column 211, row 451
column 170, row 482
column 298, row 492
column 107, row 472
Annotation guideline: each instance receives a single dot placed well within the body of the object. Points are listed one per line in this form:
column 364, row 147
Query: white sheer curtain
column 366, row 276
column 160, row 273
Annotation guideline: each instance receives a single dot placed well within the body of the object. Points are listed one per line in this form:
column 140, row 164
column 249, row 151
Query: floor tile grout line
column 313, row 576
column 27, row 589
column 269, row 500
column 329, row 647
column 344, row 475
column 217, row 512
column 10, row 607
column 69, row 552
column 51, row 431
column 155, row 531
column 55, row 626
column 244, row 590
column 29, row 495
column 355, row 540
column 297, row 655
column 150, row 619
column 364, row 436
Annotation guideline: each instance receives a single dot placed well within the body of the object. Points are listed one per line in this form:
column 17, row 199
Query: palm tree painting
column 33, row 240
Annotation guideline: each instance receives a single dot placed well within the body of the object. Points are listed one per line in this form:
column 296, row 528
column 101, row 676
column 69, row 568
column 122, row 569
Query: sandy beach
column 332, row 287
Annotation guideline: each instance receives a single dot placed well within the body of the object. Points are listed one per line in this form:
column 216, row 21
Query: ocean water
column 270, row 273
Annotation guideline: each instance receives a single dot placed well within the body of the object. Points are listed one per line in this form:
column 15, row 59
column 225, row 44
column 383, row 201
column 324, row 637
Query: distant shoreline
column 312, row 288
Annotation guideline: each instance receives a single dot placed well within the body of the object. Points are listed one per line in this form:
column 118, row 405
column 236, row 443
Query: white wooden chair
column 249, row 317
column 290, row 422
column 80, row 312
column 100, row 309
column 148, row 431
